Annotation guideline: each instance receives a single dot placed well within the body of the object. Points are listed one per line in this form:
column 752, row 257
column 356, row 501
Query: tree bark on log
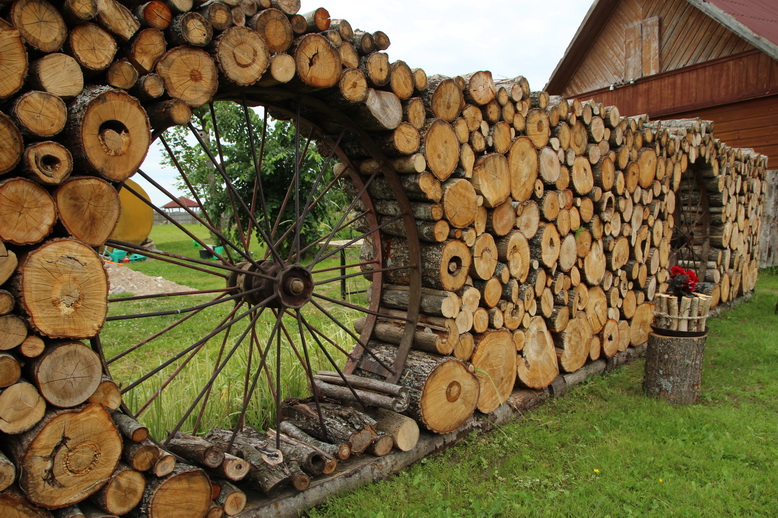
column 673, row 369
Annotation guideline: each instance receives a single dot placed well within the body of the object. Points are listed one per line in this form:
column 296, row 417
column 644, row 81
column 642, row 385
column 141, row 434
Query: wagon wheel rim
column 272, row 302
column 691, row 233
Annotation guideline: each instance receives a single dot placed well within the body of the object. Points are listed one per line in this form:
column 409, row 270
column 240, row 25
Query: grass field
column 190, row 377
column 605, row 449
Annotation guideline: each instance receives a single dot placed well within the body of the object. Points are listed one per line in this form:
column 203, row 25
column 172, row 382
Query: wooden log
column 673, row 369
column 11, row 152
column 144, row 50
column 117, row 19
column 546, row 244
column 446, row 99
column 93, row 47
column 640, row 326
column 49, row 163
column 433, row 302
column 54, row 476
column 109, row 132
column 231, row 499
column 39, row 114
column 441, row 149
column 459, row 202
column 341, row 424
column 106, row 394
column 166, row 463
column 122, row 492
column 341, row 451
column 322, row 72
column 189, row 74
column 155, row 14
column 572, row 343
column 21, row 408
column 376, row 68
column 63, row 289
column 443, row 392
column 219, row 15
column 148, row 87
column 171, row 112
column 312, row 460
column 122, row 74
column 611, row 338
column 66, row 374
column 89, row 209
column 353, row 86
column 13, row 68
column 494, row 361
column 27, row 214
column 364, row 397
column 484, row 257
column 445, row 265
column 184, row 493
column 7, row 472
column 140, row 456
column 403, row 430
column 7, row 302
column 492, row 179
column 14, row 504
column 274, row 28
column 232, row 468
column 537, row 366
column 196, row 450
column 40, row 24
column 381, row 111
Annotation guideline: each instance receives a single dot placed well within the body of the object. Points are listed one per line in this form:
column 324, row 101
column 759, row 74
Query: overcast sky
column 451, row 37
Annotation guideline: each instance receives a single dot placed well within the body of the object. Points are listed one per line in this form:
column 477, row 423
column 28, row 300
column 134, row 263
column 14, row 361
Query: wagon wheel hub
column 292, row 285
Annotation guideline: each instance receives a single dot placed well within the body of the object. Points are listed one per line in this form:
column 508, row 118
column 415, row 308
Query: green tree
column 277, row 173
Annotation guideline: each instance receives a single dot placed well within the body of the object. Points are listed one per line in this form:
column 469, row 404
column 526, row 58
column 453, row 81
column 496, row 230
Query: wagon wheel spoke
column 269, row 191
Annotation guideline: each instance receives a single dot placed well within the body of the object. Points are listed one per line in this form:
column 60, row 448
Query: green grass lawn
column 604, row 449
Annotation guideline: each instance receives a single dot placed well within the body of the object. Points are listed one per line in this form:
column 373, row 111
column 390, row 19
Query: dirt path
column 125, row 280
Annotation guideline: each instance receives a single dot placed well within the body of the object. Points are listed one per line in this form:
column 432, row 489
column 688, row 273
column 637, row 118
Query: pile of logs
column 547, row 229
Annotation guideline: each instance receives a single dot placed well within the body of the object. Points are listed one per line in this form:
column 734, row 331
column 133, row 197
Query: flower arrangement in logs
column 683, row 282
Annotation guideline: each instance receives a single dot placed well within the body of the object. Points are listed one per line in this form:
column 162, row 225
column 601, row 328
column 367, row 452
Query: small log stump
column 674, row 368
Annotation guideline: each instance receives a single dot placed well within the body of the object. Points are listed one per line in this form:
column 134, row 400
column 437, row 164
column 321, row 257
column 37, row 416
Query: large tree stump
column 674, row 368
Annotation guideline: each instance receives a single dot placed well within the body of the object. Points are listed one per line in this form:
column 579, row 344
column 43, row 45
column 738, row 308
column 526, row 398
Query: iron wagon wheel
column 691, row 234
column 268, row 302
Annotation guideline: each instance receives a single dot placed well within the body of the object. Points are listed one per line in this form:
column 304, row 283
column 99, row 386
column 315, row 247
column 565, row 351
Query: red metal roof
column 182, row 201
column 761, row 16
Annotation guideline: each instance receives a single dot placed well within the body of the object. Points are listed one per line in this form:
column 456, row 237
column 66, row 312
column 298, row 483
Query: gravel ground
column 125, row 280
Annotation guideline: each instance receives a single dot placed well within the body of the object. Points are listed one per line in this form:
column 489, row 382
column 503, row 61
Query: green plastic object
column 118, row 255
column 219, row 250
column 135, row 258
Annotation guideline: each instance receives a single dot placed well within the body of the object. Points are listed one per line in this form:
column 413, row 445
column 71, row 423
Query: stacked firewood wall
column 547, row 231
column 548, row 228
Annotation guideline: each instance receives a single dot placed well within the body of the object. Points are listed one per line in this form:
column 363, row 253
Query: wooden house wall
column 739, row 93
column 686, row 37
